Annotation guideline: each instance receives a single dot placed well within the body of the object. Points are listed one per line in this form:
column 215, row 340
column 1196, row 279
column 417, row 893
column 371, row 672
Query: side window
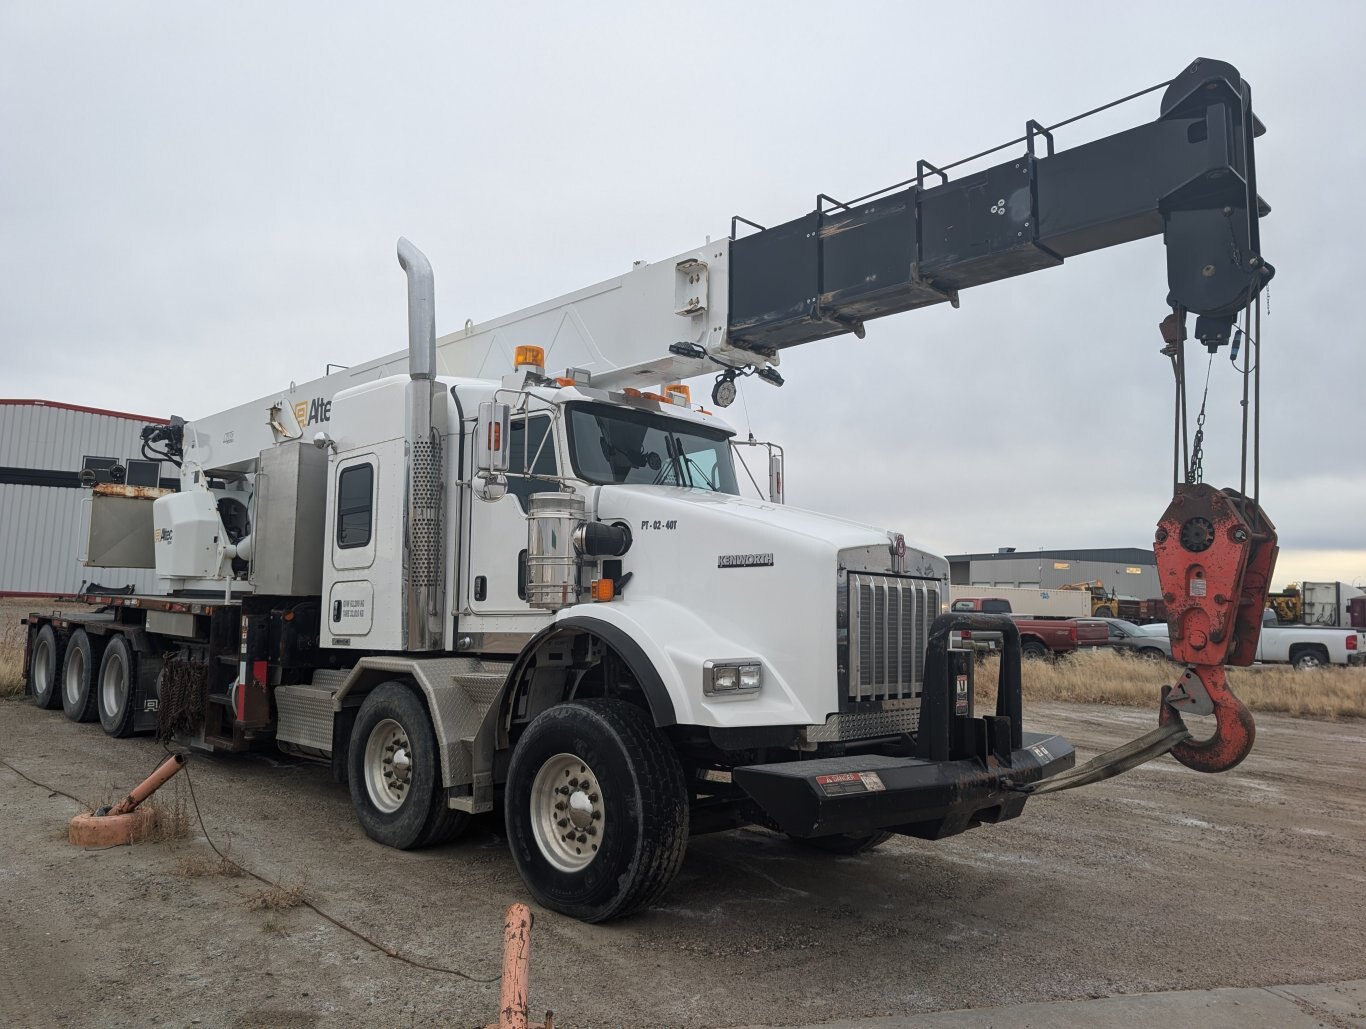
column 962, row 605
column 530, row 447
column 355, row 505
column 996, row 607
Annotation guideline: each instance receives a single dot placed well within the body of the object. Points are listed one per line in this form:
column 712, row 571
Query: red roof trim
column 87, row 410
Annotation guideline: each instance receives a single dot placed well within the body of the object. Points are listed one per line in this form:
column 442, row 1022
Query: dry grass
column 12, row 649
column 199, row 866
column 275, row 898
column 1107, row 677
column 173, row 817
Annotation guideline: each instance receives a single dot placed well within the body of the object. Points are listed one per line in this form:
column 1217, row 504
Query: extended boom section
column 1189, row 175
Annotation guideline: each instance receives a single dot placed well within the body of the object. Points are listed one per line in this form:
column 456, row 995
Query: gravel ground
column 1160, row 880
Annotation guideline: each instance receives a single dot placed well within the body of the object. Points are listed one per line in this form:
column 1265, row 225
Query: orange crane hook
column 1216, row 551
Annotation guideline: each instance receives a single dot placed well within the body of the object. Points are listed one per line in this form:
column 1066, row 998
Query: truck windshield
column 617, row 445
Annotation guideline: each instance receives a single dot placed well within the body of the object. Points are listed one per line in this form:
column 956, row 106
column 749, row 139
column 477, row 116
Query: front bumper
column 912, row 796
column 959, row 771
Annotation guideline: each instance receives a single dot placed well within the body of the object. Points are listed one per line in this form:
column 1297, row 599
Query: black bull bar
column 959, row 771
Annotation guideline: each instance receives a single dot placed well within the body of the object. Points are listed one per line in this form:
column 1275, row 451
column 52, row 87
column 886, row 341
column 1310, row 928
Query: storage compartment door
column 350, row 608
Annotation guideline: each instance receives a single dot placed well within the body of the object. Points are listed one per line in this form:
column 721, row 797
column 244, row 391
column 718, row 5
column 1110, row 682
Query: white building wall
column 42, row 527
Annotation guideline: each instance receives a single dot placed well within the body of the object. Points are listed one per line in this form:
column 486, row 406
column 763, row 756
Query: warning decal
column 850, row 782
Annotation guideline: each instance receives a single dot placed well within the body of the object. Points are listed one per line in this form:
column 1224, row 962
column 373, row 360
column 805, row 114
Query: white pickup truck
column 1309, row 646
column 1303, row 646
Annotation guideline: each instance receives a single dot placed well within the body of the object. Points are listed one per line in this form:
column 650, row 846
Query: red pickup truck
column 1040, row 635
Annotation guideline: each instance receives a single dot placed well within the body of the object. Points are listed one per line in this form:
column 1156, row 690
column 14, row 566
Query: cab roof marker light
column 527, row 355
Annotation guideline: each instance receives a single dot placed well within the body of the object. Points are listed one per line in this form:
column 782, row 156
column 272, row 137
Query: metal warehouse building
column 43, row 514
column 1123, row 571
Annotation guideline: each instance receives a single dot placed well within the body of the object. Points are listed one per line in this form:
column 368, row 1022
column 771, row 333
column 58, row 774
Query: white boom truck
column 492, row 570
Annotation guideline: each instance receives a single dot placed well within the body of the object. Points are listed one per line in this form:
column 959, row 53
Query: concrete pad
column 1339, row 1005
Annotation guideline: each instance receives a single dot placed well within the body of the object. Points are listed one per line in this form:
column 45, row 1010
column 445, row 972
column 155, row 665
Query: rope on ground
column 386, row 951
column 1113, row 762
column 42, row 785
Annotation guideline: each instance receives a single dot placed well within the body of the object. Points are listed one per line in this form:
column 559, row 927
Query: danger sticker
column 843, row 783
column 1041, row 752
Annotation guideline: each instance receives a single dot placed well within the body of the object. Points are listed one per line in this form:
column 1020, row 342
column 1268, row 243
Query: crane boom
column 736, row 303
column 1189, row 175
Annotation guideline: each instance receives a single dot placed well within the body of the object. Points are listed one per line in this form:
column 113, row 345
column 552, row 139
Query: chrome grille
column 889, row 622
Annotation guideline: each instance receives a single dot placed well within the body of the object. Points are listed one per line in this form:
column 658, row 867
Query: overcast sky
column 198, row 204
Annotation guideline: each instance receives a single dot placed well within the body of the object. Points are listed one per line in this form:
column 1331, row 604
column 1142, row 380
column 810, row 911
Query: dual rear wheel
column 79, row 671
column 88, row 676
column 394, row 772
column 596, row 805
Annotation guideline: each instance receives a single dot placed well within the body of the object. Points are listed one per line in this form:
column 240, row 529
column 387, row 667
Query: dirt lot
column 1161, row 880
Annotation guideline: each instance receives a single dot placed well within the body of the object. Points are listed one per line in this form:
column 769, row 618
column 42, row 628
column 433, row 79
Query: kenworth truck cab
column 463, row 577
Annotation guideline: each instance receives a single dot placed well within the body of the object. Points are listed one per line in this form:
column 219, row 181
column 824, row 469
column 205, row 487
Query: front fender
column 671, row 674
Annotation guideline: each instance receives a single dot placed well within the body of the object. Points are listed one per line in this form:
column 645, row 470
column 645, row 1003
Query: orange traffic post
column 125, row 821
column 512, row 1005
column 150, row 785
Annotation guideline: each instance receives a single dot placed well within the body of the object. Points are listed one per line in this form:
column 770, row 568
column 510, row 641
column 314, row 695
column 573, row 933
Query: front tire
column 596, row 809
column 45, row 668
column 395, row 775
column 114, row 687
column 78, row 676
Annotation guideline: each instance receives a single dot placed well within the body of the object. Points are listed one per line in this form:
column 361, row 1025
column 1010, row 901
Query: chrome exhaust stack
column 424, row 562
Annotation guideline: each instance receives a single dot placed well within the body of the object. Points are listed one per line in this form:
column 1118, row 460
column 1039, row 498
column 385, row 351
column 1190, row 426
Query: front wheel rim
column 568, row 815
column 388, row 766
column 75, row 676
column 113, row 687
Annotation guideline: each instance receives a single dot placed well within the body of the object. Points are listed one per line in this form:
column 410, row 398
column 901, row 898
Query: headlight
column 732, row 676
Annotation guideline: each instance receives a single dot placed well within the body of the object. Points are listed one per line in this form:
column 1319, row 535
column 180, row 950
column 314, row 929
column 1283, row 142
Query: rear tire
column 1033, row 650
column 78, row 676
column 601, row 770
column 1151, row 654
column 845, row 844
column 1308, row 659
column 394, row 772
column 45, row 668
column 114, row 687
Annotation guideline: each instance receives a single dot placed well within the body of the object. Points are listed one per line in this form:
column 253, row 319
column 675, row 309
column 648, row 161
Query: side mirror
column 775, row 474
column 492, row 439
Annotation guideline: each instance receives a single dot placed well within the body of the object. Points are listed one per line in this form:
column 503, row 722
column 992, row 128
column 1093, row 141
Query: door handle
column 336, row 610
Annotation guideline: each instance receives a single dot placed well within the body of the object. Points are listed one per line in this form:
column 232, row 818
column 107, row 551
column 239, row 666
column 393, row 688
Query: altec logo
column 310, row 412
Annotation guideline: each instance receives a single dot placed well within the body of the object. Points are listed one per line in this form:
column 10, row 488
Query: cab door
column 349, row 613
